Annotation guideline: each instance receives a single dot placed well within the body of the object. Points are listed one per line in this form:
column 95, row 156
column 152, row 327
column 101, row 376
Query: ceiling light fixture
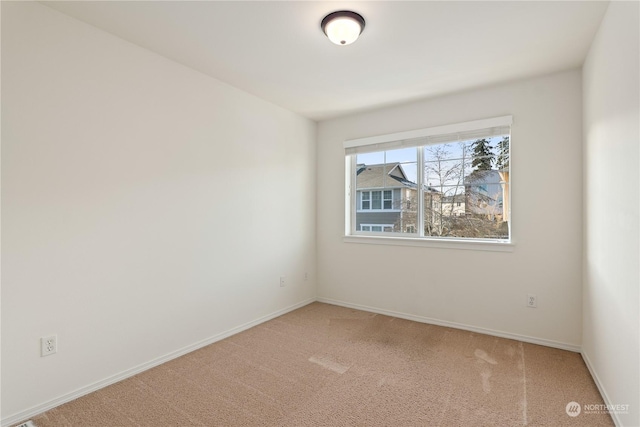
column 343, row 27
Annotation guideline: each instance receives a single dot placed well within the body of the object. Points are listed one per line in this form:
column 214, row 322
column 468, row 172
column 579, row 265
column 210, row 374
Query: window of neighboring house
column 376, row 200
column 403, row 182
column 377, row 228
column 365, row 200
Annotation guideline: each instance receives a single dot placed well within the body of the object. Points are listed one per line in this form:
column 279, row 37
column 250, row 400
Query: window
column 376, row 200
column 365, row 203
column 376, row 227
column 450, row 182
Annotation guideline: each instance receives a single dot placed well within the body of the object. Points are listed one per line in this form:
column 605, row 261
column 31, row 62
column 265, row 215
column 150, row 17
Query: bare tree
column 448, row 183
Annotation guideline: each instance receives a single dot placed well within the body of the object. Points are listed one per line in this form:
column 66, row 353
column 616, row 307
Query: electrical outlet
column 532, row 301
column 26, row 424
column 282, row 282
column 48, row 345
column 306, row 276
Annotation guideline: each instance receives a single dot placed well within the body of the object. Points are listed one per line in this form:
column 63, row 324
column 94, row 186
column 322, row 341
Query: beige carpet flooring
column 323, row 365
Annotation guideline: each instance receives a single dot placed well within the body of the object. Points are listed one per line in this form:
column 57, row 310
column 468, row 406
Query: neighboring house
column 383, row 198
column 506, row 202
column 454, row 205
column 484, row 191
column 386, row 199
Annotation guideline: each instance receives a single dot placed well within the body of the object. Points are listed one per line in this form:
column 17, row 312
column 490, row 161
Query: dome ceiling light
column 343, row 27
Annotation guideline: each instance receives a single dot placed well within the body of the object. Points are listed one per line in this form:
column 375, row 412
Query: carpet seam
column 524, row 380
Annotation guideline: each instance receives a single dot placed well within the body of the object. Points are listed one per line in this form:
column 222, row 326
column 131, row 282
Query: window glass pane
column 365, row 200
column 386, row 183
column 377, row 200
column 387, row 199
column 465, row 189
column 377, row 228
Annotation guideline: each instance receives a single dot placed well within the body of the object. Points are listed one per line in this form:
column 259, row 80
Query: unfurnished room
column 309, row 213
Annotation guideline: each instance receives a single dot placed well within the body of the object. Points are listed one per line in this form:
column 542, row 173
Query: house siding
column 380, row 217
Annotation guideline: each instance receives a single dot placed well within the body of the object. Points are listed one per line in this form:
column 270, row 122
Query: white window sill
column 473, row 245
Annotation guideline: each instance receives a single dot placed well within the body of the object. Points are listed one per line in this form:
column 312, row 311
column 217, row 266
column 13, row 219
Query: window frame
column 395, row 141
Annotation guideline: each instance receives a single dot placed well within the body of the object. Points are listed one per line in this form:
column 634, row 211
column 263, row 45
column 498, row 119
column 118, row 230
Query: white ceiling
column 408, row 50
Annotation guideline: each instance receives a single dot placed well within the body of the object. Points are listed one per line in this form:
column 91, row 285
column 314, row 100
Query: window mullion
column 419, row 192
column 353, row 194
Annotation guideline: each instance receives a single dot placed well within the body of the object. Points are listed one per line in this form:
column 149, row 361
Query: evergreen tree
column 482, row 156
column 502, row 162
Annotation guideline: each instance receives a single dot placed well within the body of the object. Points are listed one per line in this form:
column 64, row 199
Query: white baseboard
column 38, row 409
column 603, row 392
column 431, row 321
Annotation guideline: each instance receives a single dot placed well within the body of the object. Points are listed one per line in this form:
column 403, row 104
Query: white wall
column 145, row 207
column 611, row 200
column 474, row 288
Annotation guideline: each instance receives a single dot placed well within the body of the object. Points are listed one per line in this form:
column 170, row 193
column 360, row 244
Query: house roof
column 387, row 175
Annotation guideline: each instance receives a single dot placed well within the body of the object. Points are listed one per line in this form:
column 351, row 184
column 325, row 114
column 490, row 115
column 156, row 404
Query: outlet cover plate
column 532, row 301
column 48, row 345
